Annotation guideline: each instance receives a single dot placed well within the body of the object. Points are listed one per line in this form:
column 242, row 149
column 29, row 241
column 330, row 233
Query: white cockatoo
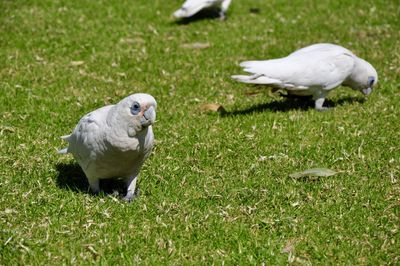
column 313, row 71
column 114, row 141
column 191, row 7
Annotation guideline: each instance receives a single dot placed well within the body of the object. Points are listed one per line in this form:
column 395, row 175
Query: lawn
column 216, row 188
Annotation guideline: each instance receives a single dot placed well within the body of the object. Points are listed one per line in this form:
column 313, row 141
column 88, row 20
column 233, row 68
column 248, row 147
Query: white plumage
column 114, row 141
column 191, row 7
column 313, row 70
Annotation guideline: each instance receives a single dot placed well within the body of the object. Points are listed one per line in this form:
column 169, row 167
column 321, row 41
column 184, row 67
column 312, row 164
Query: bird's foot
column 222, row 16
column 322, row 109
column 131, row 196
column 96, row 192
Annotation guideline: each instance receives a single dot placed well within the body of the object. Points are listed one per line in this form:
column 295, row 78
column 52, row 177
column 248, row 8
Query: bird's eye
column 135, row 108
column 371, row 81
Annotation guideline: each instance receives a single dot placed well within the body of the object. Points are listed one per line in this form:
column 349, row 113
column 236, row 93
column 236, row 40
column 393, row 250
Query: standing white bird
column 191, row 7
column 314, row 71
column 114, row 141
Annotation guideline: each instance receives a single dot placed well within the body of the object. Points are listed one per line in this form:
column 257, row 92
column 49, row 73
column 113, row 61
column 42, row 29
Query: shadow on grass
column 71, row 177
column 292, row 103
column 202, row 15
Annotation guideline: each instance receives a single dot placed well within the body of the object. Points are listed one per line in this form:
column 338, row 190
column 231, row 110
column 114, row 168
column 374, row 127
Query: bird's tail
column 190, row 9
column 179, row 13
column 65, row 150
column 65, row 137
column 255, row 79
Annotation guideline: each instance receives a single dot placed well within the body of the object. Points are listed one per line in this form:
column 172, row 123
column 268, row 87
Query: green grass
column 216, row 188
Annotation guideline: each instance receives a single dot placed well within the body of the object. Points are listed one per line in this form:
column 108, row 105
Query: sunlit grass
column 217, row 187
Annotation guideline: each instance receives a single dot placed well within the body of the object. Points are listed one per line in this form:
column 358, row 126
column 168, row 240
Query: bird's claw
column 322, row 109
column 131, row 196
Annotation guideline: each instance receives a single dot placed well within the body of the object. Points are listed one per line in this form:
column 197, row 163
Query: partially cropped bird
column 314, row 71
column 191, row 7
column 114, row 141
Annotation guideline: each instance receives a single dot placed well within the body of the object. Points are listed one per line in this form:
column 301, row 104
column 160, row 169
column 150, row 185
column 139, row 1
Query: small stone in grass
column 212, row 107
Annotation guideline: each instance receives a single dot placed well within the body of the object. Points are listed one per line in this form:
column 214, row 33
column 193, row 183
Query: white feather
column 111, row 142
column 191, row 7
column 313, row 70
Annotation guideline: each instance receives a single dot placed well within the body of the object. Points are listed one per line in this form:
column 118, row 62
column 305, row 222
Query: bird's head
column 364, row 77
column 134, row 113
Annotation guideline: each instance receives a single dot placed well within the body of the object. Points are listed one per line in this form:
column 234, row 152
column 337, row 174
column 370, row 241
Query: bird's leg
column 318, row 105
column 224, row 7
column 222, row 15
column 130, row 194
column 319, row 99
column 94, row 184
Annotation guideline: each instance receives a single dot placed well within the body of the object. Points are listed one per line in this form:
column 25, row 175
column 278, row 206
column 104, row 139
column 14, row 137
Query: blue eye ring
column 371, row 81
column 135, row 108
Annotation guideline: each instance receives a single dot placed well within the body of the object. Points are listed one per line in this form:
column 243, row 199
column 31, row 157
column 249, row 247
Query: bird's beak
column 367, row 91
column 148, row 118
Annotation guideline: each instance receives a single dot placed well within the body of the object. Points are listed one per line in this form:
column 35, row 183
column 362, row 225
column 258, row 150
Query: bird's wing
column 87, row 138
column 318, row 69
column 321, row 47
column 191, row 7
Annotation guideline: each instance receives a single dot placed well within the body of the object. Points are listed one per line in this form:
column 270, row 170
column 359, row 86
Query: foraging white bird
column 314, row 70
column 114, row 141
column 191, row 7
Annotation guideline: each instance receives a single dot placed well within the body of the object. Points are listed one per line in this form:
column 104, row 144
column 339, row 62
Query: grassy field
column 216, row 188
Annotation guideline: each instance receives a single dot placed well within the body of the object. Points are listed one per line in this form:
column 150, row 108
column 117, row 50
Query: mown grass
column 217, row 187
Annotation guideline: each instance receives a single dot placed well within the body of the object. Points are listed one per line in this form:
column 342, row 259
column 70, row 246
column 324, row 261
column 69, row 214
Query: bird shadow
column 292, row 103
column 206, row 14
column 71, row 177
